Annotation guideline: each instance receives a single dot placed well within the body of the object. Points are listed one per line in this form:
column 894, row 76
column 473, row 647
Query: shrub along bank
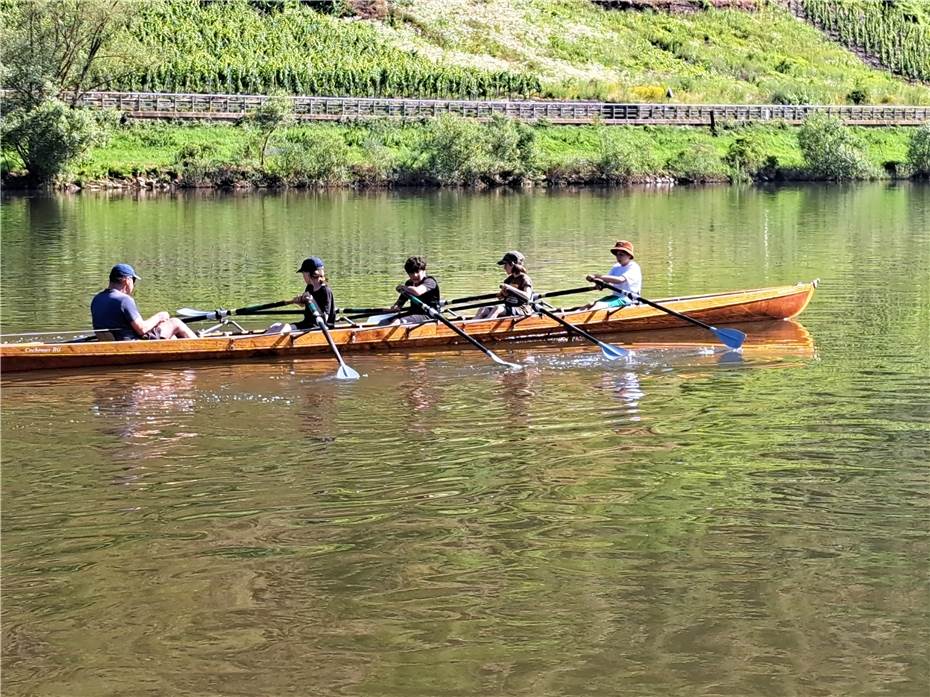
column 450, row 151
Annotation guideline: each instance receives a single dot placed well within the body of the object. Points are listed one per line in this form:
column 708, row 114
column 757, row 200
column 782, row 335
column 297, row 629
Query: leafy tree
column 698, row 163
column 268, row 118
column 831, row 150
column 61, row 48
column 511, row 147
column 49, row 136
column 53, row 52
column 454, row 150
column 918, row 151
column 745, row 156
column 620, row 159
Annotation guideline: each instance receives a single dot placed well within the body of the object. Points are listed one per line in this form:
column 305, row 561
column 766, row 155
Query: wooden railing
column 158, row 105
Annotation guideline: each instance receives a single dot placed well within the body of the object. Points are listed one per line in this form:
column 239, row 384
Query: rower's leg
column 171, row 328
column 489, row 312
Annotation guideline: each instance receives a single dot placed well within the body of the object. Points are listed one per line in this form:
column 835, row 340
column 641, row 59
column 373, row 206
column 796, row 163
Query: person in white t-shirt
column 625, row 274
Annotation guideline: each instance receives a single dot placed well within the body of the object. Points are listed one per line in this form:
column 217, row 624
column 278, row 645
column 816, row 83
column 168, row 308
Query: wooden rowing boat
column 764, row 304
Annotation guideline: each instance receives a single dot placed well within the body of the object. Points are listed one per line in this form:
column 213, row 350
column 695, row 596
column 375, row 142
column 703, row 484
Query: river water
column 690, row 522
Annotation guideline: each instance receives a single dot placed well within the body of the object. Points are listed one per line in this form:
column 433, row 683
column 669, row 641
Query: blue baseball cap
column 122, row 271
column 310, row 265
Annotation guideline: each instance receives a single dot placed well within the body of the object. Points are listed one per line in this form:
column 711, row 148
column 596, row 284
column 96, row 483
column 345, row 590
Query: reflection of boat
column 638, row 323
column 773, row 336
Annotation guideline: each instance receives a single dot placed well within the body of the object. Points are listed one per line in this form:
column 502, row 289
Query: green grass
column 480, row 48
column 153, row 149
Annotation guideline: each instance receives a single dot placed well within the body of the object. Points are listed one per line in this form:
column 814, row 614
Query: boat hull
column 763, row 304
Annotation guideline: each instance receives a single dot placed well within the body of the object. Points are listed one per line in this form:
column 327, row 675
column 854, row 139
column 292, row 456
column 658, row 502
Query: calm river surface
column 688, row 523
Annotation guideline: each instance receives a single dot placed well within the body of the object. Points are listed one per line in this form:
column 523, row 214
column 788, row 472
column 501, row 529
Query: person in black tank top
column 419, row 284
column 315, row 277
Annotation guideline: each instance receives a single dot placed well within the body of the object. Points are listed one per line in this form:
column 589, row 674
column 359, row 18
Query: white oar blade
column 346, row 373
column 500, row 361
column 191, row 312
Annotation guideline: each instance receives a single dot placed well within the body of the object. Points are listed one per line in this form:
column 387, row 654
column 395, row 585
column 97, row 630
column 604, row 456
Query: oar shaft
column 253, row 309
column 615, row 350
column 321, row 323
column 362, row 311
column 432, row 313
column 435, row 314
column 496, row 298
column 668, row 310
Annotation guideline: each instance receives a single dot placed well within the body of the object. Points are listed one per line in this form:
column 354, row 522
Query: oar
column 609, row 350
column 733, row 338
column 191, row 315
column 434, row 314
column 344, row 372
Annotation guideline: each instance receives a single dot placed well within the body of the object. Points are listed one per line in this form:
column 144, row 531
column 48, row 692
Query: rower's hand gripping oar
column 609, row 350
column 344, row 372
column 732, row 338
column 434, row 314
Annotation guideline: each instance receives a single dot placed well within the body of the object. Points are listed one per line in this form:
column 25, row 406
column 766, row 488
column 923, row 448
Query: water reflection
column 146, row 416
column 517, row 393
column 625, row 388
column 143, row 410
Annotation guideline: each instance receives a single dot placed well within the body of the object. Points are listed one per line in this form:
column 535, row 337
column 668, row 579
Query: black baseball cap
column 310, row 265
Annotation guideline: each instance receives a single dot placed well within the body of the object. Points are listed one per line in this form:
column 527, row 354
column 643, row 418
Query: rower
column 420, row 285
column 113, row 312
column 514, row 264
column 625, row 274
column 314, row 275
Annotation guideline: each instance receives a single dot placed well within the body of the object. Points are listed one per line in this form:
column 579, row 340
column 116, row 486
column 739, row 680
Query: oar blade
column 500, row 361
column 186, row 312
column 613, row 352
column 733, row 338
column 378, row 319
column 189, row 312
column 347, row 373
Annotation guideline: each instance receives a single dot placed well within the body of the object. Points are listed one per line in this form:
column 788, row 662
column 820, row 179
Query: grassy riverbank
column 453, row 152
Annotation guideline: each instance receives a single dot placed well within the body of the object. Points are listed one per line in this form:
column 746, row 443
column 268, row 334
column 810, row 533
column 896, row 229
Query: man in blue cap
column 113, row 310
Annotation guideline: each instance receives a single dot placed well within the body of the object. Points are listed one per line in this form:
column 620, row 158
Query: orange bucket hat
column 623, row 246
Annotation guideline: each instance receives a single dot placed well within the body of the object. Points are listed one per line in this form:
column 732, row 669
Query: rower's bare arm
column 417, row 290
column 144, row 326
column 611, row 279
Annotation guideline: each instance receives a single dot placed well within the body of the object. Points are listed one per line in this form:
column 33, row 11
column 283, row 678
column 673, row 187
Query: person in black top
column 315, row 278
column 419, row 284
column 514, row 264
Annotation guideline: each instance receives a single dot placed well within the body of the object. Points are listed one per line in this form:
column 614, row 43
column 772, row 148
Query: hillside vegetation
column 497, row 48
column 233, row 47
column 895, row 34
